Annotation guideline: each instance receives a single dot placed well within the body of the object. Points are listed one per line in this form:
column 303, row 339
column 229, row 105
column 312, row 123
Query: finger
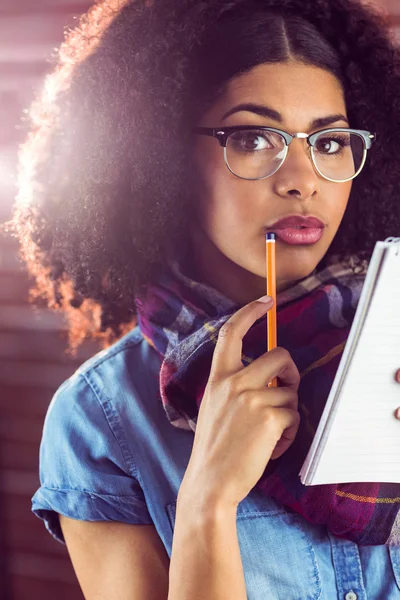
column 275, row 363
column 397, row 376
column 282, row 397
column 397, row 413
column 227, row 358
column 289, row 421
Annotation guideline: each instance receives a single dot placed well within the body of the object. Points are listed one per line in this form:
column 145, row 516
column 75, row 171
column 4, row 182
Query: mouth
column 304, row 236
column 298, row 230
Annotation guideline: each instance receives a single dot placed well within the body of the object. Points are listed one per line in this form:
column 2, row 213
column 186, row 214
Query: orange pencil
column 271, row 291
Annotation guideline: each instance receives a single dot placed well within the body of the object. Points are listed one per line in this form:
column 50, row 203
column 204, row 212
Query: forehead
column 297, row 91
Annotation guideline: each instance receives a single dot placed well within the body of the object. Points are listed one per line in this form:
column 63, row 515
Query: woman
column 169, row 140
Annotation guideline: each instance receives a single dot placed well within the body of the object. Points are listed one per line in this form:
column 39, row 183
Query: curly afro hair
column 104, row 175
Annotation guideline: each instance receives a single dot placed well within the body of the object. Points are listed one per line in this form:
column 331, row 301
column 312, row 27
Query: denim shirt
column 109, row 453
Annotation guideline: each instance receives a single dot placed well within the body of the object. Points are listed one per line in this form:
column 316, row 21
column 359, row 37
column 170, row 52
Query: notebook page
column 364, row 438
column 321, row 434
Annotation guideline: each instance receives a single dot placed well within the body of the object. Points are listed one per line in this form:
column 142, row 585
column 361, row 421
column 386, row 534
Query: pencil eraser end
column 270, row 236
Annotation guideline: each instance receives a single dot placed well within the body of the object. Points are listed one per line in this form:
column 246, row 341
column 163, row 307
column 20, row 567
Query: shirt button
column 351, row 596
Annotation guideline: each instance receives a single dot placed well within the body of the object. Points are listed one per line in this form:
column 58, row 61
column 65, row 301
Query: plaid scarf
column 181, row 318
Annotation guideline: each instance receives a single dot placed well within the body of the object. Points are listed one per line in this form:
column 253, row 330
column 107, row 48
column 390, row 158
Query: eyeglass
column 256, row 152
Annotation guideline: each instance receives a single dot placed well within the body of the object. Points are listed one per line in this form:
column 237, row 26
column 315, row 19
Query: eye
column 330, row 145
column 252, row 141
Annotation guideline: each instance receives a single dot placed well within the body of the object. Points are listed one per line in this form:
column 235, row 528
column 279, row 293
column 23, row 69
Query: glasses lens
column 254, row 154
column 339, row 155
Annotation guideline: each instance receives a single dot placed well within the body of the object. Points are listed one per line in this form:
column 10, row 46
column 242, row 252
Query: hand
column 242, row 424
column 397, row 412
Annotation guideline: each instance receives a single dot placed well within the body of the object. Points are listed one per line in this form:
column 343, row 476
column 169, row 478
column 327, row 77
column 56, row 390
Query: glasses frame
column 222, row 135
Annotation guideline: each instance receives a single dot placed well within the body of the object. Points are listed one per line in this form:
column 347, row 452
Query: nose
column 297, row 177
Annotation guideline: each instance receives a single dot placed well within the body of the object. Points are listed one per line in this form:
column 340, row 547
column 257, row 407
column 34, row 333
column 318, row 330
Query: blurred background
column 33, row 565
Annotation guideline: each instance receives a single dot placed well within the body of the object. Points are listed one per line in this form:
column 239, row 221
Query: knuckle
column 269, row 415
column 252, row 401
column 232, row 387
column 296, row 374
column 246, row 397
column 296, row 416
column 296, row 423
column 227, row 329
column 291, row 398
column 285, row 354
column 288, row 362
column 286, row 357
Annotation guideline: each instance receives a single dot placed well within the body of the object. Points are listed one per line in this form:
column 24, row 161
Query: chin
column 290, row 266
column 296, row 270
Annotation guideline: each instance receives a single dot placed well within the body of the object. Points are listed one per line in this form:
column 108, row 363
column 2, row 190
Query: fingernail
column 265, row 299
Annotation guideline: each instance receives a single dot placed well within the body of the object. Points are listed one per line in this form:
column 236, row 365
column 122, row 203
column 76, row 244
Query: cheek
column 338, row 201
column 221, row 198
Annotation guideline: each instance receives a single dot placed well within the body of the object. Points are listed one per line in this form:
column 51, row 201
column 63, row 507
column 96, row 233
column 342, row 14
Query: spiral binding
column 394, row 240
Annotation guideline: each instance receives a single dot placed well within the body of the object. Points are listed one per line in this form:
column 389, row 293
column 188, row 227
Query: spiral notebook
column 358, row 436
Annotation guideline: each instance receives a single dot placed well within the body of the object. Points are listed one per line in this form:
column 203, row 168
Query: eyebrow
column 269, row 113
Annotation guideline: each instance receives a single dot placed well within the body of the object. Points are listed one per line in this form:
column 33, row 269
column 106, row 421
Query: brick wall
column 32, row 364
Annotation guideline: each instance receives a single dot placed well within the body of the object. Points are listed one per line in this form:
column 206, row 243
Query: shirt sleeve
column 85, row 472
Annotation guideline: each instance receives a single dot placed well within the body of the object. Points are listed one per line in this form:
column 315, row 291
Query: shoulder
column 120, row 367
column 87, row 469
column 123, row 364
column 109, row 358
column 131, row 343
column 86, row 406
column 125, row 374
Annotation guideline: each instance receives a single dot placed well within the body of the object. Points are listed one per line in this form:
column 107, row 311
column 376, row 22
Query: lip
column 294, row 221
column 298, row 230
column 300, row 237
